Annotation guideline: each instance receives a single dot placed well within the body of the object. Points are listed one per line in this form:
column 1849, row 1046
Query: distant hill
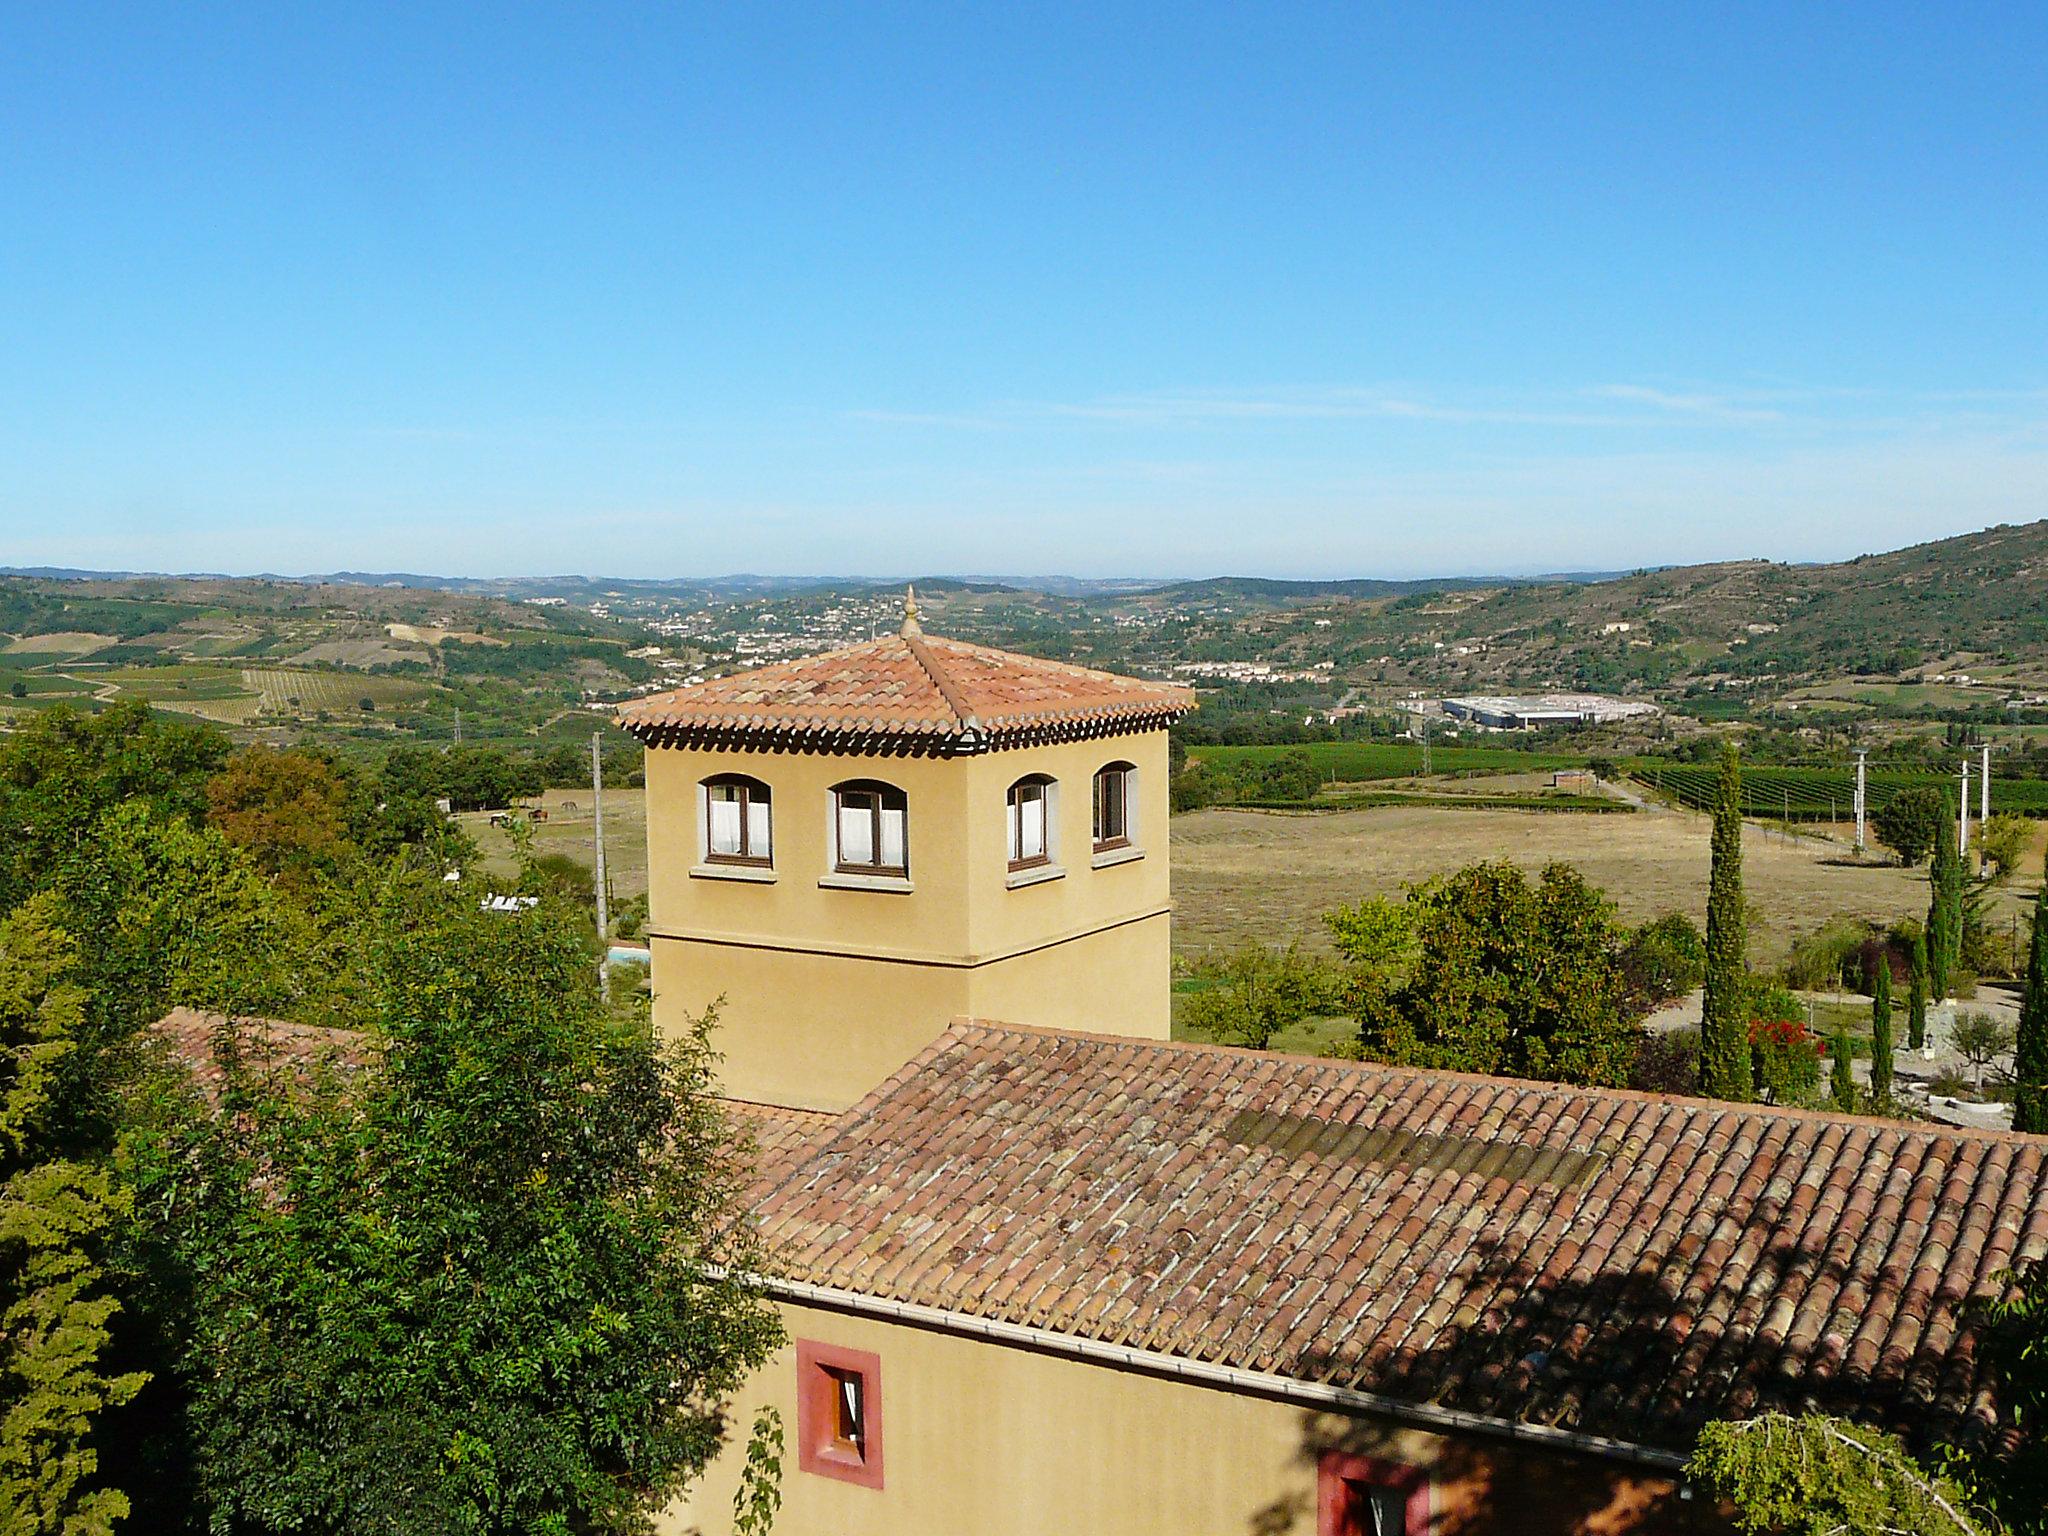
column 1957, row 628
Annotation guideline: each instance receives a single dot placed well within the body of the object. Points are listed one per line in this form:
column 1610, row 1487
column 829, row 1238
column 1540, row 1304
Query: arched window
column 1115, row 805
column 870, row 829
column 1030, row 816
column 738, row 828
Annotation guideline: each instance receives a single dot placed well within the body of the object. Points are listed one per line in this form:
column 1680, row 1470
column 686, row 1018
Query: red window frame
column 819, row 1369
column 1340, row 1469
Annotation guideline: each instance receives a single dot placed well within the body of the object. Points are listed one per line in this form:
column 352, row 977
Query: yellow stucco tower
column 853, row 849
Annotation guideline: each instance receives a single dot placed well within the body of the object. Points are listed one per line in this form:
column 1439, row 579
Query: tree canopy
column 1508, row 976
column 1909, row 822
column 482, row 1287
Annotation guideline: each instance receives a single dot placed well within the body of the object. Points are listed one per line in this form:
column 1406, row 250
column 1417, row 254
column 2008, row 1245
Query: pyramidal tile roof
column 911, row 689
column 1621, row 1264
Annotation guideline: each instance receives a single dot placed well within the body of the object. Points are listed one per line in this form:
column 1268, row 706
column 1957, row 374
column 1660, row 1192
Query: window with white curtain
column 737, row 821
column 1030, row 818
column 1114, row 784
column 870, row 829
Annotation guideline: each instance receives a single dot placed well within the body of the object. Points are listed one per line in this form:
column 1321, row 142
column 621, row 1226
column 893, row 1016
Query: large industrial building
column 1498, row 712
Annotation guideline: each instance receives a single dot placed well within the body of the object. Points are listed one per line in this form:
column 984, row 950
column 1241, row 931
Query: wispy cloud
column 1715, row 407
column 1630, row 411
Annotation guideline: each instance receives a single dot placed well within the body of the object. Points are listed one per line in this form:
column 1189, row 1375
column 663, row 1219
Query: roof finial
column 910, row 624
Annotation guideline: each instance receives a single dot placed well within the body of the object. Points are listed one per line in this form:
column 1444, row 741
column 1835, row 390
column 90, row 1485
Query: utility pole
column 1425, row 745
column 604, row 923
column 1862, row 761
column 1963, row 822
column 1984, row 804
column 458, row 725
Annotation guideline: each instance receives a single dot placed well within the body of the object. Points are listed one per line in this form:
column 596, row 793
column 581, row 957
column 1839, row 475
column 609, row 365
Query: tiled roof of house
column 1621, row 1264
column 196, row 1039
column 783, row 1137
column 911, row 689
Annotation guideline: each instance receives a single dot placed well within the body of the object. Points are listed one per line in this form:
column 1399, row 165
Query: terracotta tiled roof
column 910, row 688
column 1621, row 1264
column 195, row 1038
column 783, row 1137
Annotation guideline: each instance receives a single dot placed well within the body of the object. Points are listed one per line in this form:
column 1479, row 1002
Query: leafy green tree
column 1980, row 1040
column 1509, row 977
column 490, row 1285
column 2002, row 843
column 1255, row 992
column 1725, row 1071
column 1881, row 1031
column 2030, row 1050
column 1944, row 907
column 1819, row 1476
column 1842, row 1073
column 55, row 1216
column 1910, row 821
column 63, row 771
column 1916, row 998
column 177, row 915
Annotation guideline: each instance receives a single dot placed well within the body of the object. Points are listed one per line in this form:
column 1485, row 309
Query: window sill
column 1038, row 874
column 751, row 872
column 844, row 882
column 1110, row 856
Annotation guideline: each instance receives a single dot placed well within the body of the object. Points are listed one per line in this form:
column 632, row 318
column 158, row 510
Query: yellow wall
column 827, row 991
column 999, row 1441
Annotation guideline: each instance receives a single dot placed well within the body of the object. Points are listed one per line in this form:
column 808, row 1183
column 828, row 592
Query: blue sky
column 1358, row 289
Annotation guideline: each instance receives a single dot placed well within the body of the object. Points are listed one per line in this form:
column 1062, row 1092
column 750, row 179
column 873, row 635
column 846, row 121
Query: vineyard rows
column 1821, row 794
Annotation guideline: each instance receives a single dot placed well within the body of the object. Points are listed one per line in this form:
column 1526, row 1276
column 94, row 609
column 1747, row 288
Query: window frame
column 1123, row 773
column 1341, row 1471
column 1033, row 788
column 882, row 793
column 821, row 1449
column 745, row 858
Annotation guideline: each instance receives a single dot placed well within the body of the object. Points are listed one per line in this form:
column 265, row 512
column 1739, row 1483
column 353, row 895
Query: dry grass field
column 73, row 642
column 570, row 829
column 1269, row 876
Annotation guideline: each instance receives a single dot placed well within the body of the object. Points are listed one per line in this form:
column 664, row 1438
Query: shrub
column 1829, row 956
column 1665, row 958
column 1667, row 1063
column 1787, row 1060
column 1255, row 992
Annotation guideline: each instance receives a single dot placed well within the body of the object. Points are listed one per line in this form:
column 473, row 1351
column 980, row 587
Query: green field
column 1821, row 794
column 1357, row 762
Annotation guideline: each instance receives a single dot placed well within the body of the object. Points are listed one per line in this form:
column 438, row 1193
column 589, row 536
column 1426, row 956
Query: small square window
column 839, row 1412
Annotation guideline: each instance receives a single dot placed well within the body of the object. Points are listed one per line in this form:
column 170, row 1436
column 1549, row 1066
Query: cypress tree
column 2030, row 1050
column 1944, row 909
column 1842, row 1080
column 1916, row 997
column 1724, row 1027
column 1881, row 1031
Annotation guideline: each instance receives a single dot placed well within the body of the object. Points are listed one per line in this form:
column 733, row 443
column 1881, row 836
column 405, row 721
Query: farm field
column 1356, row 762
column 1269, row 876
column 59, row 643
column 570, row 829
